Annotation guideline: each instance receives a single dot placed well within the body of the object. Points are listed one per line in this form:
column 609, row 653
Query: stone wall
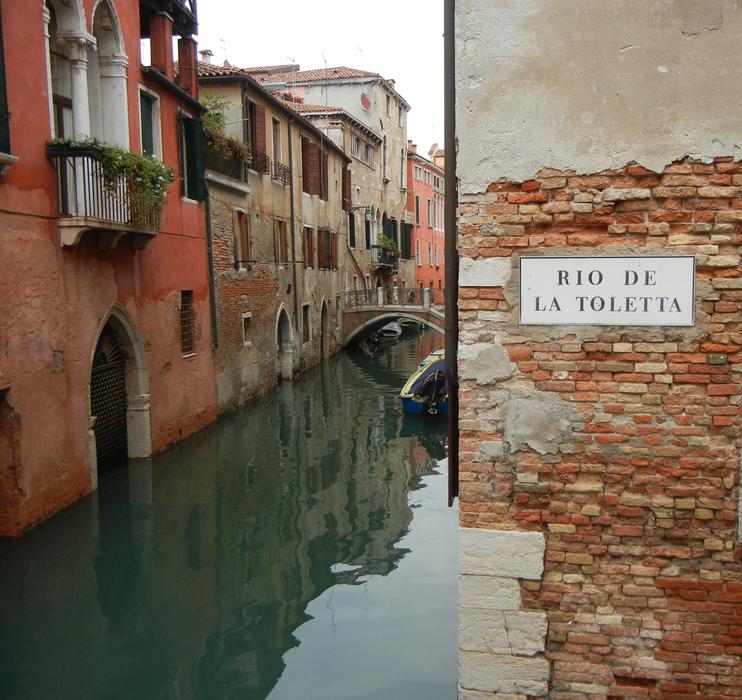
column 599, row 465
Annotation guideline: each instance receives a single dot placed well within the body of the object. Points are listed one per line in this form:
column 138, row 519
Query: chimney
column 187, row 68
column 161, row 44
column 411, row 147
column 207, row 55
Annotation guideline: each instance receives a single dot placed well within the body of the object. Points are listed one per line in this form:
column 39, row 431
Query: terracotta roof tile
column 304, row 108
column 308, row 76
column 210, row 70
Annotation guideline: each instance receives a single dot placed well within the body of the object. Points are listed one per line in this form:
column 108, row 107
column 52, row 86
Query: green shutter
column 194, row 138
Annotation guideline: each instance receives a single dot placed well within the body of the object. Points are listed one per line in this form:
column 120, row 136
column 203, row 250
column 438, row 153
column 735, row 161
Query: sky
column 399, row 39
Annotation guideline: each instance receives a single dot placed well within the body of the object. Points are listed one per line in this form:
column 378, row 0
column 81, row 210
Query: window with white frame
column 277, row 141
column 430, row 254
column 430, row 213
column 389, row 105
column 149, row 123
column 247, row 328
column 417, row 253
column 427, row 177
column 355, row 148
column 417, row 210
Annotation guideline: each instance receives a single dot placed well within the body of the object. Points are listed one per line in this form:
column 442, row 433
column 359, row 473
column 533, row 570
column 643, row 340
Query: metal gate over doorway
column 108, row 402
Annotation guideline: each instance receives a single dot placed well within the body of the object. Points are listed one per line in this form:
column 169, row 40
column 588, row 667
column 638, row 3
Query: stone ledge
column 489, row 593
column 497, row 632
column 502, row 673
column 503, row 553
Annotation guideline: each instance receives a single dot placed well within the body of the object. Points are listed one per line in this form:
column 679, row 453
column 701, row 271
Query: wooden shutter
column 259, row 129
column 305, row 165
column 352, row 230
column 312, row 176
column 334, row 262
column 4, row 112
column 321, row 249
column 283, row 242
column 324, row 172
column 346, row 190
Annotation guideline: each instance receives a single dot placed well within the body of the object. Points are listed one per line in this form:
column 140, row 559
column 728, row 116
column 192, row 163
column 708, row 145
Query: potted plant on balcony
column 138, row 181
column 228, row 149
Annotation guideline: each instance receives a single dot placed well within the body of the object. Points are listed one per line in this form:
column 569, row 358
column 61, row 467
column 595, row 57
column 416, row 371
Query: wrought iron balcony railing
column 281, row 173
column 232, row 167
column 87, row 202
column 260, row 162
column 384, row 257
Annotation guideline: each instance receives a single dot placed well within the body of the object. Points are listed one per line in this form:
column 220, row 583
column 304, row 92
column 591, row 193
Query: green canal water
column 301, row 549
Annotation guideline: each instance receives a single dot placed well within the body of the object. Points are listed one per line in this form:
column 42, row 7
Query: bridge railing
column 394, row 296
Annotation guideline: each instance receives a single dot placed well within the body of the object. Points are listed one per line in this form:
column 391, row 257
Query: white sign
column 607, row 291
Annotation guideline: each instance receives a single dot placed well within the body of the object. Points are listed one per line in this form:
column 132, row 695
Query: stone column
column 79, row 46
column 114, row 97
column 426, row 297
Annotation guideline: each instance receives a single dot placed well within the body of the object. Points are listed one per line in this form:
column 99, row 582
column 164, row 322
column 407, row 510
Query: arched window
column 107, row 88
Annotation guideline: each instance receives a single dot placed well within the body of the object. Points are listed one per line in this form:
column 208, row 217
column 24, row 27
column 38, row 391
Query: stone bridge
column 369, row 309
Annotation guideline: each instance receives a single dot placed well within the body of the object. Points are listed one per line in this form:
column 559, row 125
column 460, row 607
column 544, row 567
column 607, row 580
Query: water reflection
column 190, row 576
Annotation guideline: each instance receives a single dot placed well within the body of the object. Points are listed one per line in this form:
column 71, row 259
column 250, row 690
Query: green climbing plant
column 147, row 178
column 215, row 122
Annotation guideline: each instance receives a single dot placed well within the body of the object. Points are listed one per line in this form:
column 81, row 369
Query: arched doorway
column 285, row 343
column 119, row 397
column 324, row 331
column 108, row 403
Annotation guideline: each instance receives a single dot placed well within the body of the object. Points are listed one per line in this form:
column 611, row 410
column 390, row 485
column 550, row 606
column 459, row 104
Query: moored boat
column 426, row 391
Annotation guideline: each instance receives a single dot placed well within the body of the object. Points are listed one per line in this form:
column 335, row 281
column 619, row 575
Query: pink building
column 425, row 206
column 105, row 340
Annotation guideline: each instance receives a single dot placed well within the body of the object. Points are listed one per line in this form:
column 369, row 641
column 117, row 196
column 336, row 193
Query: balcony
column 281, row 173
column 384, row 258
column 229, row 166
column 183, row 12
column 260, row 162
column 88, row 203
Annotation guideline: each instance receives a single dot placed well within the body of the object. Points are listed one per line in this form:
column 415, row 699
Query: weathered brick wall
column 619, row 444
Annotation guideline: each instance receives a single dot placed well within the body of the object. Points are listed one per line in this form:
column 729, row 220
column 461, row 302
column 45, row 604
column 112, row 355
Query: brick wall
column 618, row 446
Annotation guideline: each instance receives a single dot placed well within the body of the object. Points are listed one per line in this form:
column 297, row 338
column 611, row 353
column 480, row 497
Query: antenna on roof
column 327, row 77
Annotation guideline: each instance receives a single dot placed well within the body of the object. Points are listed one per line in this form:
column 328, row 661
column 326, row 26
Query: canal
column 299, row 549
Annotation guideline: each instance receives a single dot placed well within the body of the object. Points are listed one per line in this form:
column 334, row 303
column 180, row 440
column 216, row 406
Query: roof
column 316, row 75
column 428, row 163
column 326, row 110
column 327, row 75
column 211, row 70
column 286, row 68
column 227, row 74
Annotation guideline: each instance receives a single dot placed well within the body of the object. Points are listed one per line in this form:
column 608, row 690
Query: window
column 430, row 254
column 400, row 115
column 246, row 328
column 383, row 162
column 326, row 250
column 430, row 213
column 149, row 123
column 427, row 177
column 437, row 182
column 191, row 157
column 417, row 210
column 402, row 168
column 355, row 145
column 277, row 141
column 370, row 154
column 305, row 329
column 251, row 122
column 61, row 81
column 367, row 231
column 435, row 254
column 186, row 322
column 389, row 105
column 308, row 247
column 241, row 239
column 4, row 115
column 352, row 230
column 417, row 253
column 280, row 242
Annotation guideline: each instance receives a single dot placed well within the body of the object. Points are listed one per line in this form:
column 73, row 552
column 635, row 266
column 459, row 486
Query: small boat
column 391, row 330
column 426, row 390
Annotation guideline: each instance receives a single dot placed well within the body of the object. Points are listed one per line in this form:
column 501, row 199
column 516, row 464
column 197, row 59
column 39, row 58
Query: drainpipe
column 293, row 228
column 450, row 252
column 212, row 281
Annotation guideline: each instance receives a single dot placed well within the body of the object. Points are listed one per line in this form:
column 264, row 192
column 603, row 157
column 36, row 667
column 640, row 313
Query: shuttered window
column 352, row 230
column 241, row 239
column 280, row 242
column 191, row 158
column 308, row 247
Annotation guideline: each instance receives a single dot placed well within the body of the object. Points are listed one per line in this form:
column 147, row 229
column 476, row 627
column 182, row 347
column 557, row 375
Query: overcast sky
column 400, row 39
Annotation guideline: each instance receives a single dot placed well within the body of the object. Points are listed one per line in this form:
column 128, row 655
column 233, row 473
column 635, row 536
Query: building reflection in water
column 188, row 577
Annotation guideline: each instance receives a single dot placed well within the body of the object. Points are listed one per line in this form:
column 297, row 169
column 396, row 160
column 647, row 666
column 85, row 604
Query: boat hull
column 411, row 407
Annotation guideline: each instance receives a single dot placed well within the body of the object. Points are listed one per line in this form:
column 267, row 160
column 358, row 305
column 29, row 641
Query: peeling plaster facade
column 599, row 465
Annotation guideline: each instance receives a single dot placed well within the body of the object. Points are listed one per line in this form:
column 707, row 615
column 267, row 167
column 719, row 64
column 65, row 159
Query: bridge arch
column 381, row 319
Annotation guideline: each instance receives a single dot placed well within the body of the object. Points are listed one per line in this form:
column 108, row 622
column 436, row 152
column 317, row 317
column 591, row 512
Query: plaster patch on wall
column 486, row 362
column 541, row 423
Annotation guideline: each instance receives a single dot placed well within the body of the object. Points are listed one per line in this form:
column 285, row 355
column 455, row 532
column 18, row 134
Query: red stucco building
column 425, row 207
column 105, row 340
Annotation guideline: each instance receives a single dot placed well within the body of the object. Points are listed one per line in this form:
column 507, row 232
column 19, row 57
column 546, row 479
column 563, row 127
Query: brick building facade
column 599, row 464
